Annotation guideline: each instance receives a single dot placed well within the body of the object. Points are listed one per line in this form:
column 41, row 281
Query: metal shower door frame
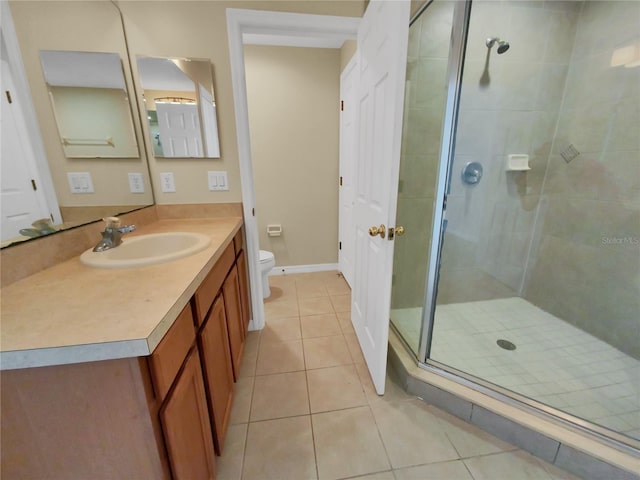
column 459, row 31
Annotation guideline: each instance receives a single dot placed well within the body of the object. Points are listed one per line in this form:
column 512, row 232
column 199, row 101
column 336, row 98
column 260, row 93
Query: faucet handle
column 112, row 222
column 127, row 229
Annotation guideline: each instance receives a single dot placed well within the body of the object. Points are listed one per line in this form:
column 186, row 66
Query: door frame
column 37, row 162
column 299, row 28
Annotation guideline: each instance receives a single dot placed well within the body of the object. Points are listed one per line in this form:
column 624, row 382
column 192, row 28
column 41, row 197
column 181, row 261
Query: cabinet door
column 186, row 426
column 245, row 295
column 233, row 310
column 218, row 371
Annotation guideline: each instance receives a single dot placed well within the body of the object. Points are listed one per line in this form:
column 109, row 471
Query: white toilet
column 267, row 262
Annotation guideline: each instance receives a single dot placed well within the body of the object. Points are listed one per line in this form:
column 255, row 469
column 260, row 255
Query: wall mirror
column 54, row 186
column 180, row 106
column 90, row 103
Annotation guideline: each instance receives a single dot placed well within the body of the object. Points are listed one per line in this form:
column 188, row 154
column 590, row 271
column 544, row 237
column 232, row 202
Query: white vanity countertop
column 72, row 313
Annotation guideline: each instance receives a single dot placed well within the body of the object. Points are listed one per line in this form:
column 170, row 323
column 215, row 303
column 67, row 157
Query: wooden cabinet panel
column 186, row 426
column 233, row 311
column 245, row 294
column 167, row 358
column 94, row 420
column 210, row 286
column 218, row 371
column 238, row 242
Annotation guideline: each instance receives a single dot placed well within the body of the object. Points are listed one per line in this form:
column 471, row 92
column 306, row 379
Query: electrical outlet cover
column 136, row 183
column 168, row 182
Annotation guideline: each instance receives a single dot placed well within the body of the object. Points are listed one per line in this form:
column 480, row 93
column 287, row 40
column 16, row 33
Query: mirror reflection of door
column 179, row 129
column 180, row 104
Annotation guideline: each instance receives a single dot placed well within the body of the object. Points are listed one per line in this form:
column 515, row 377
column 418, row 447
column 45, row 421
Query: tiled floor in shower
column 554, row 362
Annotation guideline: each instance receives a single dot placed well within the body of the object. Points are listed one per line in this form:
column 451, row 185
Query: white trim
column 289, row 270
column 19, row 74
column 240, row 22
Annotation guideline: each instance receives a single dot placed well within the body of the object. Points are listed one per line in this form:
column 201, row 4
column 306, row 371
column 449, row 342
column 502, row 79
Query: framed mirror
column 90, row 103
column 51, row 187
column 180, row 106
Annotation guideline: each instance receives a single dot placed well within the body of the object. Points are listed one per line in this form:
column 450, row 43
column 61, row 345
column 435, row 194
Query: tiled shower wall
column 585, row 264
column 510, row 104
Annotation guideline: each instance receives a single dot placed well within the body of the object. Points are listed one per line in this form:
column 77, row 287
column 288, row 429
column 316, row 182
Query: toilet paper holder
column 274, row 230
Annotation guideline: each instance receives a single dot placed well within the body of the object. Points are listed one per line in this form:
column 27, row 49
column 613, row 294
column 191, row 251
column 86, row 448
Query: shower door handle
column 381, row 230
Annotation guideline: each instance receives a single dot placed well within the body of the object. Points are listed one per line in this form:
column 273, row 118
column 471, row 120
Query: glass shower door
column 538, row 292
column 424, row 111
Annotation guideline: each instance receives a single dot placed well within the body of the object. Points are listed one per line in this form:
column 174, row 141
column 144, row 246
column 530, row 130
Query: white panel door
column 382, row 50
column 179, row 125
column 21, row 204
column 209, row 123
column 348, row 138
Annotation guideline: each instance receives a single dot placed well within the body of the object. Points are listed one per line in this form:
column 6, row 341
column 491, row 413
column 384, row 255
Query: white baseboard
column 320, row 267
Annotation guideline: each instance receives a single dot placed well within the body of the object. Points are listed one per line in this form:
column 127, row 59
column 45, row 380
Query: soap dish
column 518, row 162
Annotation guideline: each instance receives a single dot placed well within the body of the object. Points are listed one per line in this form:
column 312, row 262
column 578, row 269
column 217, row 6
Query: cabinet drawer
column 238, row 242
column 167, row 358
column 210, row 286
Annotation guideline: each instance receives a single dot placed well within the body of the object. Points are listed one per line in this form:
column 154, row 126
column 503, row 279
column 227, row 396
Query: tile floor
column 554, row 362
column 305, row 407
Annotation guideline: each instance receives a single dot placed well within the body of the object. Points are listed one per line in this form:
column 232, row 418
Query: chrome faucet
column 112, row 235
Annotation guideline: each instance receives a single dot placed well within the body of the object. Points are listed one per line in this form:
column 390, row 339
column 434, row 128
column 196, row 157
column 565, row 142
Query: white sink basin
column 147, row 250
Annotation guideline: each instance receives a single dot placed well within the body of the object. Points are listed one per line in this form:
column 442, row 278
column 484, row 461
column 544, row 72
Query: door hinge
column 340, row 181
column 253, row 212
column 33, row 185
column 339, row 245
column 341, row 105
column 8, row 96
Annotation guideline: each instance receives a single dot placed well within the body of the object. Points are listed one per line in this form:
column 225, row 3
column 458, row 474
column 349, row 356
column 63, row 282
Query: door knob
column 396, row 232
column 381, row 230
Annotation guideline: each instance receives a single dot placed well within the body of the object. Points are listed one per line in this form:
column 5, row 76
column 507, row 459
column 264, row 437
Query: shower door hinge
column 253, row 212
column 341, row 105
column 33, row 185
column 340, row 181
column 9, row 99
column 339, row 245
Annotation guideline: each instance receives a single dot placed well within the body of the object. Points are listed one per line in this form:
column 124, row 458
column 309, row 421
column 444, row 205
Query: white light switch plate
column 218, row 181
column 80, row 182
column 168, row 182
column 136, row 183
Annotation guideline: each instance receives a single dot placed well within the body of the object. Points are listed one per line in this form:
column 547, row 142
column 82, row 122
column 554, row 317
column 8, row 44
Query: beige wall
column 293, row 96
column 347, row 52
column 199, row 29
column 178, row 28
column 80, row 26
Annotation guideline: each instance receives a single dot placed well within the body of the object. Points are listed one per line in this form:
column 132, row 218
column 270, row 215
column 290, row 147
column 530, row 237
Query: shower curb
column 575, row 452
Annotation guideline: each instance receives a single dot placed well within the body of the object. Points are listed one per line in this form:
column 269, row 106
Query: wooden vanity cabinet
column 213, row 342
column 233, row 310
column 245, row 294
column 185, row 422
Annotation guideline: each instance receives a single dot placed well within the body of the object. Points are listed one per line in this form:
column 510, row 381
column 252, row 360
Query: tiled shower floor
column 554, row 362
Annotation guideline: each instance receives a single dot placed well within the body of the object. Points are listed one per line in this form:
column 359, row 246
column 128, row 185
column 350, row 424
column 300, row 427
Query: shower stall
column 520, row 195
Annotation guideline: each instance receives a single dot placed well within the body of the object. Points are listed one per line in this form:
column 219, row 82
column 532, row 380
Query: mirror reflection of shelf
column 89, row 141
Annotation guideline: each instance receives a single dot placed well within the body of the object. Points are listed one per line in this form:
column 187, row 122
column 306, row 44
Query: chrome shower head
column 503, row 45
